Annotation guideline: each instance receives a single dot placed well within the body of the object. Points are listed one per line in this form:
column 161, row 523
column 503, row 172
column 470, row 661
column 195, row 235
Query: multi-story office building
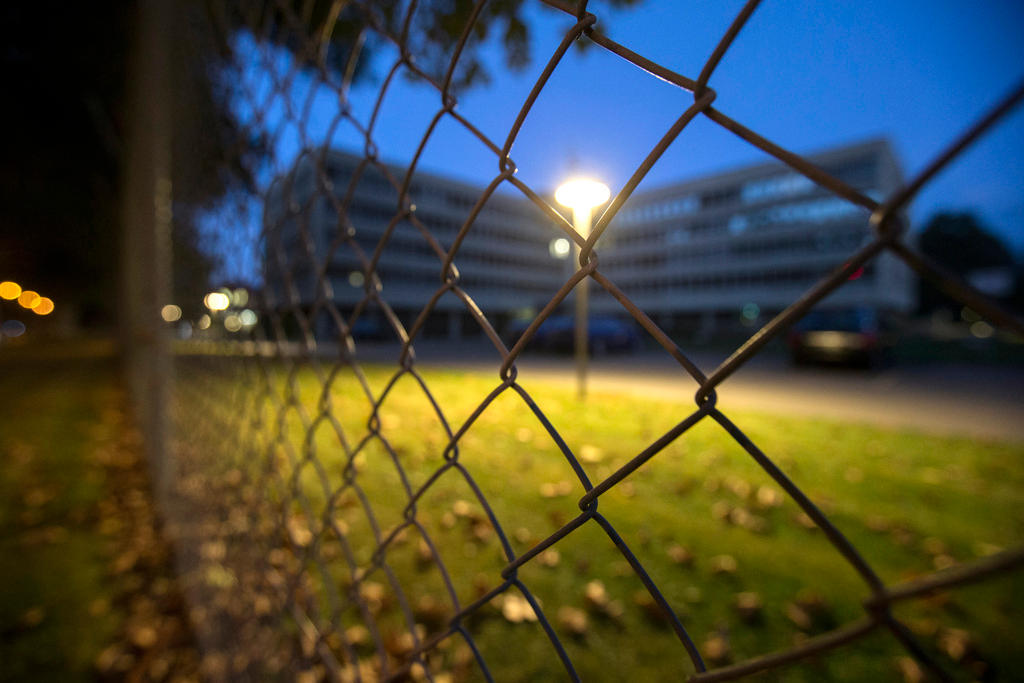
column 749, row 242
column 726, row 249
column 504, row 261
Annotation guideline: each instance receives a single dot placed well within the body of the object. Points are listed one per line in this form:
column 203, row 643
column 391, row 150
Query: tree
column 61, row 167
column 61, row 170
column 960, row 243
column 438, row 25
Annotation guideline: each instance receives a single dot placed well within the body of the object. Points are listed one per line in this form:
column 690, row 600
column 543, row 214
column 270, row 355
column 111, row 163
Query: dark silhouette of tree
column 61, row 169
column 960, row 243
column 323, row 32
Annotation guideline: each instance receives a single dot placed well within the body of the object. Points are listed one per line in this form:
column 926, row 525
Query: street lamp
column 581, row 195
column 216, row 301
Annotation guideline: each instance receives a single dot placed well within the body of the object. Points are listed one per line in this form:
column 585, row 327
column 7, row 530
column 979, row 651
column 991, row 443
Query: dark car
column 847, row 336
column 558, row 334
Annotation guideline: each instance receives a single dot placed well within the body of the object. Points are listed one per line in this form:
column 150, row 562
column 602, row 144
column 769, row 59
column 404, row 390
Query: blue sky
column 807, row 75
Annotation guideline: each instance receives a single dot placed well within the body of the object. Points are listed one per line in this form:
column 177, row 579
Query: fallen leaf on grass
column 768, row 497
column 573, row 620
column 910, row 670
column 804, row 520
column 424, row 555
column 591, row 454
column 680, row 555
column 516, row 609
column 430, row 612
column 723, row 564
column 956, row 643
column 142, row 636
column 745, row 519
column 595, row 596
column 741, row 488
column 650, row 607
column 717, row 650
column 549, row 558
column 810, row 612
column 748, row 606
column 556, row 489
column 32, row 617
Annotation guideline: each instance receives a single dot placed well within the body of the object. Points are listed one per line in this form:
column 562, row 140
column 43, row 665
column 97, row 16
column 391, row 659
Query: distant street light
column 581, row 195
column 9, row 290
column 216, row 301
column 44, row 307
column 559, row 248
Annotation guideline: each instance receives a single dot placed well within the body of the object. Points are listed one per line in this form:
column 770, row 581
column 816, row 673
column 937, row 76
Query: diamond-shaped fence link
column 322, row 538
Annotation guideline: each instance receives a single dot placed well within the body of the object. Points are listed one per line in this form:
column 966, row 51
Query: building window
column 738, row 224
column 774, row 187
column 719, row 197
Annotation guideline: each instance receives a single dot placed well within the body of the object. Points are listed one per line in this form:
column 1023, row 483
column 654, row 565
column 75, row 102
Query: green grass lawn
column 734, row 557
column 55, row 602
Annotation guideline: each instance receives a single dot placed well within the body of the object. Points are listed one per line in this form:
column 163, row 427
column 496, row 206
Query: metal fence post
column 146, row 222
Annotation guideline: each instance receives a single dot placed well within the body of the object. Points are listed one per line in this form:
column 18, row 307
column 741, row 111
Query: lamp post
column 581, row 195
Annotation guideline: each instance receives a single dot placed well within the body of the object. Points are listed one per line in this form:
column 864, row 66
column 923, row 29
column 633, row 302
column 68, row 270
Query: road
column 968, row 400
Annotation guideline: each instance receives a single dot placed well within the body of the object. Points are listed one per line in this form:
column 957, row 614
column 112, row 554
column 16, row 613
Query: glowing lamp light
column 29, row 299
column 9, row 290
column 582, row 193
column 44, row 307
column 170, row 313
column 216, row 301
column 982, row 330
column 248, row 317
column 559, row 248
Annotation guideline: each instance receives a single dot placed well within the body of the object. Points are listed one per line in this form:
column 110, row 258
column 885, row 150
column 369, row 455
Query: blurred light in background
column 9, row 290
column 968, row 315
column 982, row 330
column 171, row 313
column 204, row 322
column 247, row 317
column 232, row 323
column 356, row 279
column 216, row 301
column 582, row 193
column 29, row 299
column 559, row 248
column 44, row 307
column 12, row 328
column 239, row 298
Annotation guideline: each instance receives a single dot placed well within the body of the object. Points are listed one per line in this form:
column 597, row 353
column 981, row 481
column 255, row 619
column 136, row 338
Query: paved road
column 971, row 400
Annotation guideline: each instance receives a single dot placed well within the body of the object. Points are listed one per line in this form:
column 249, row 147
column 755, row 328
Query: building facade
column 696, row 255
column 321, row 228
column 745, row 244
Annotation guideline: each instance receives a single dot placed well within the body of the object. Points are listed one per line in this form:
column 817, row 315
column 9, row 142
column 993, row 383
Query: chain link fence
column 338, row 517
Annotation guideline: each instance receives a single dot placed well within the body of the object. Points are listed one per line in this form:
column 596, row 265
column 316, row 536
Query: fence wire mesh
column 343, row 514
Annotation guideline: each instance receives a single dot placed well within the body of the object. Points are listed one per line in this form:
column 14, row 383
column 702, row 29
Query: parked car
column 558, row 334
column 847, row 336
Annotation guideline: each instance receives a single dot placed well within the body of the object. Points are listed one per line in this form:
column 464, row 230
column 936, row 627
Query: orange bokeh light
column 44, row 307
column 29, row 299
column 9, row 290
